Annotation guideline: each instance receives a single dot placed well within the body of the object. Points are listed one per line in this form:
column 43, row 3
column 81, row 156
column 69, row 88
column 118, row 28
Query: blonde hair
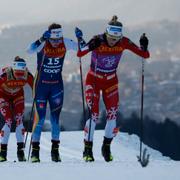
column 114, row 21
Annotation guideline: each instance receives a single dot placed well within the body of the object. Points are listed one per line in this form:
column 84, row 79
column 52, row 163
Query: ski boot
column 3, row 153
column 20, row 152
column 105, row 150
column 35, row 152
column 55, row 151
column 88, row 154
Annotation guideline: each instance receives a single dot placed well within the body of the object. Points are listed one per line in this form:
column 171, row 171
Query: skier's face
column 112, row 40
column 19, row 69
column 55, row 42
column 19, row 74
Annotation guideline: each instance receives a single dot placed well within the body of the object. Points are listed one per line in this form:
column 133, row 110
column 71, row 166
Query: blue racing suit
column 48, row 85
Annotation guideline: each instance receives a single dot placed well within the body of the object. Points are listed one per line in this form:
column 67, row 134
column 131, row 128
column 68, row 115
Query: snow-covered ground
column 125, row 148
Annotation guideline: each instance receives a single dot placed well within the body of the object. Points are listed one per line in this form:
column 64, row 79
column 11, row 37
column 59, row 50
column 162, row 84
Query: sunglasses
column 19, row 66
column 55, row 40
column 113, row 38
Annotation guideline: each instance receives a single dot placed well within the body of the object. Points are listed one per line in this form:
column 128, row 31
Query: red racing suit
column 102, row 77
column 12, row 102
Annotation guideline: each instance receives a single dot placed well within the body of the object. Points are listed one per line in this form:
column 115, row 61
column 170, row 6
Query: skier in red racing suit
column 12, row 81
column 106, row 51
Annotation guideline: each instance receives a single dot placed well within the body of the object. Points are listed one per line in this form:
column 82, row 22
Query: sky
column 129, row 11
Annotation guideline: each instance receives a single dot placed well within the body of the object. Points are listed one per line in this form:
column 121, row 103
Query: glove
column 95, row 43
column 45, row 36
column 144, row 42
column 78, row 33
column 82, row 43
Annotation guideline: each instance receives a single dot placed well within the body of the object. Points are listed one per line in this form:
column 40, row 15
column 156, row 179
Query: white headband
column 19, row 66
column 56, row 33
column 114, row 30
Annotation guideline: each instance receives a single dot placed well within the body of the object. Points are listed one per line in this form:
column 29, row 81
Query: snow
column 125, row 148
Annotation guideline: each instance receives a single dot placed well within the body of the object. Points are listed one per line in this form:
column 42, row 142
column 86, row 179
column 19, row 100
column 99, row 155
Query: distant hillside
column 161, row 72
column 163, row 37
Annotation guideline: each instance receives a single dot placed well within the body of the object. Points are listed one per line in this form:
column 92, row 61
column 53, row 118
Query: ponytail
column 114, row 21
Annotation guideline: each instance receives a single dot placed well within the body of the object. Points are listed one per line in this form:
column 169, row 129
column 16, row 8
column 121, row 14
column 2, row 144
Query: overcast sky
column 128, row 11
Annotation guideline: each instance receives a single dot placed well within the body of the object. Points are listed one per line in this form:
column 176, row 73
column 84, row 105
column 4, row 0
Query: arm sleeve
column 94, row 43
column 135, row 49
column 2, row 79
column 70, row 44
column 35, row 47
column 30, row 80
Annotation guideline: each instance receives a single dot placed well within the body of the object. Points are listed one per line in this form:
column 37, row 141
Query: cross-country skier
column 12, row 81
column 51, row 49
column 107, row 49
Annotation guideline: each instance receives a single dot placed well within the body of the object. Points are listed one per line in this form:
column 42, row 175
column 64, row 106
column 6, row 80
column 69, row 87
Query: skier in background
column 12, row 81
column 107, row 49
column 51, row 49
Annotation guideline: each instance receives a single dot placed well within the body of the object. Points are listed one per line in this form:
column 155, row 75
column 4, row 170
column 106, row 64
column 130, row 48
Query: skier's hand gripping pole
column 143, row 157
column 79, row 35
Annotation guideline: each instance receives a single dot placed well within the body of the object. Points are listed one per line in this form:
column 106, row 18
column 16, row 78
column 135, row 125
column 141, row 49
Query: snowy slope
column 125, row 148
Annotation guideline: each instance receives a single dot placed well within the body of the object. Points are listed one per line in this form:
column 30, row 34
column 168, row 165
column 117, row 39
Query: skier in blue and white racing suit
column 51, row 49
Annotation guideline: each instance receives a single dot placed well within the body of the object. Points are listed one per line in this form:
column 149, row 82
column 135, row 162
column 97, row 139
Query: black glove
column 81, row 42
column 144, row 42
column 94, row 43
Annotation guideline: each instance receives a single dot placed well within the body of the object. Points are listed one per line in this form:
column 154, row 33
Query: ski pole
column 81, row 43
column 92, row 102
column 142, row 109
column 82, row 89
column 38, row 77
column 29, row 122
column 143, row 159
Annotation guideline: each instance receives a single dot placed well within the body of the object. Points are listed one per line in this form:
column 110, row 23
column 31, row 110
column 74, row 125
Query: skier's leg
column 35, row 152
column 92, row 98
column 5, row 111
column 39, row 118
column 56, row 103
column 41, row 96
column 18, row 105
column 111, row 100
column 3, row 153
column 92, row 94
column 40, row 112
